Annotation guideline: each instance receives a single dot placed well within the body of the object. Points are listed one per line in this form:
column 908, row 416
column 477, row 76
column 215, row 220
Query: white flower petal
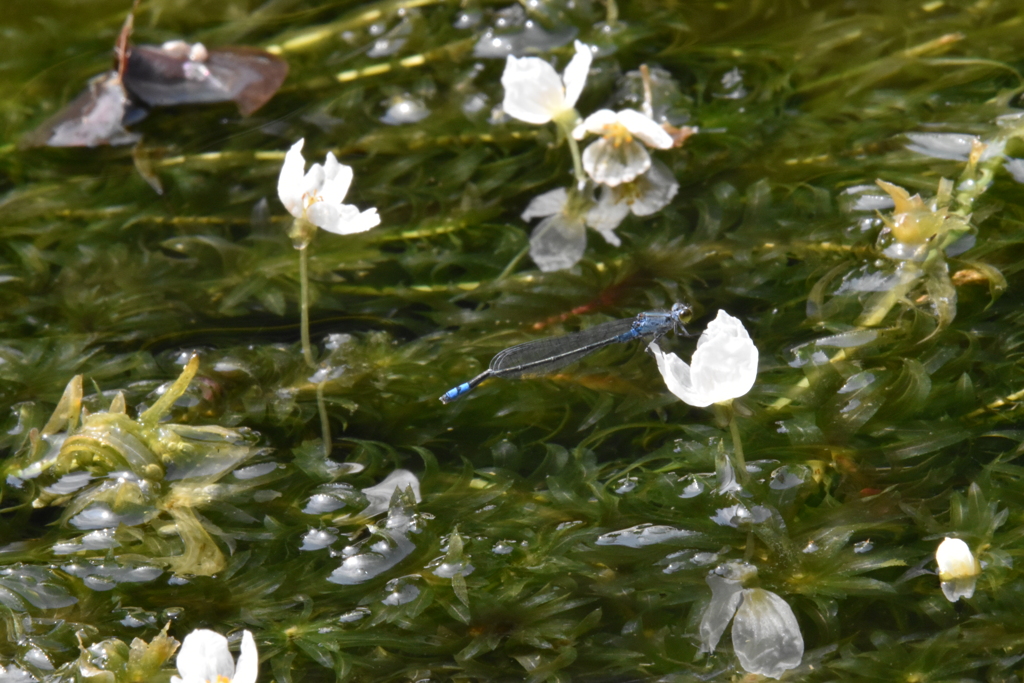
column 323, row 215
column 959, row 588
column 595, row 123
column 204, row 656
column 765, row 634
column 337, row 179
column 724, row 366
column 654, row 190
column 725, row 362
column 356, row 221
column 342, row 219
column 606, row 215
column 575, row 74
column 558, row 242
column 611, row 165
column 533, row 90
column 955, row 559
column 676, row 374
column 645, row 128
column 547, row 204
column 289, row 182
column 958, row 569
column 311, row 183
column 248, row 661
column 726, row 595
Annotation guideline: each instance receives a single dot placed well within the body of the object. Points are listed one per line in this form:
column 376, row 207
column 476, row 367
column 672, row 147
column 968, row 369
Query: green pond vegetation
column 162, row 464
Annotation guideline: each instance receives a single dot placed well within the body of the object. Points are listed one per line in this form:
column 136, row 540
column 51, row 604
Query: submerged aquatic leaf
column 24, row 585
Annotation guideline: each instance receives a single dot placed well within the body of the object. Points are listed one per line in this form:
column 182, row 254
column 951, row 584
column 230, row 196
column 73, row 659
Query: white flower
column 765, row 634
column 317, row 196
column 647, row 195
column 958, row 569
column 617, row 157
column 204, row 658
column 534, row 92
column 559, row 240
column 724, row 364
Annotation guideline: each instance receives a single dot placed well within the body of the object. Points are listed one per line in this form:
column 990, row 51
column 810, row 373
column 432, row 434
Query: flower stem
column 577, row 163
column 738, row 461
column 566, row 123
column 307, row 352
column 325, row 425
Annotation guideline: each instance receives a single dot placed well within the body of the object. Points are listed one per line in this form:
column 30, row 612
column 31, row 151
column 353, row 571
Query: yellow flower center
column 617, row 134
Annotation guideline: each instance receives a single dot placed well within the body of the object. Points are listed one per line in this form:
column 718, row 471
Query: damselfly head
column 681, row 314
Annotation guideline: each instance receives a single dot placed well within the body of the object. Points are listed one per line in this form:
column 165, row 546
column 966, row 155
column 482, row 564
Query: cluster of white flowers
column 617, row 162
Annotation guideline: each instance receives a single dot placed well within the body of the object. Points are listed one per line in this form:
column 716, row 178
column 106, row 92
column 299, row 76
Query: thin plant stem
column 577, row 163
column 307, row 352
column 325, row 425
column 565, row 125
column 738, row 461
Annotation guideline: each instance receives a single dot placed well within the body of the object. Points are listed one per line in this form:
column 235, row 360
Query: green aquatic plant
column 106, row 469
column 561, row 527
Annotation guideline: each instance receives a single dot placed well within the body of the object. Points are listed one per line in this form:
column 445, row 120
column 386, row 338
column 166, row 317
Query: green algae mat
column 828, row 489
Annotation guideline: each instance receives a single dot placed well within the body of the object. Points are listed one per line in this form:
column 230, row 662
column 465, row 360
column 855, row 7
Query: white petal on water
column 725, row 598
column 765, row 634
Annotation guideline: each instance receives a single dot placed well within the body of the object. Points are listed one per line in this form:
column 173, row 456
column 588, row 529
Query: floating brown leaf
column 182, row 73
column 95, row 117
